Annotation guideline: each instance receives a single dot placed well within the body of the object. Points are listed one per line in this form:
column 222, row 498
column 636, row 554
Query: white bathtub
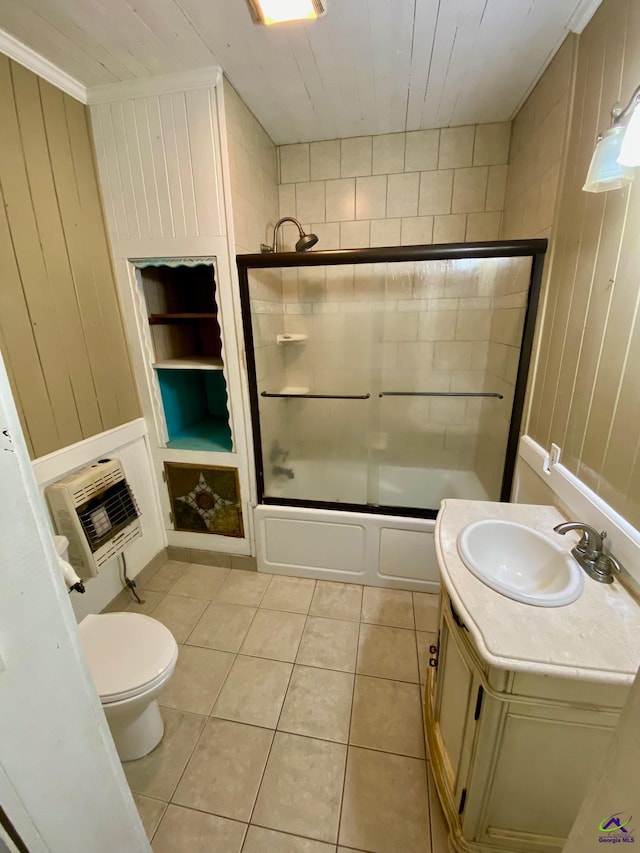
column 357, row 547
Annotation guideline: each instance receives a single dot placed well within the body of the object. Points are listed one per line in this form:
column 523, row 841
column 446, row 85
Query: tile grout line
column 275, row 730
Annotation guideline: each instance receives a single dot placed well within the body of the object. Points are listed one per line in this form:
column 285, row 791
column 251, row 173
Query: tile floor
column 293, row 722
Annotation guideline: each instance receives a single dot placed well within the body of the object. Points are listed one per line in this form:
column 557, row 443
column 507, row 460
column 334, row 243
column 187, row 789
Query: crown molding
column 585, row 10
column 17, row 50
column 164, row 84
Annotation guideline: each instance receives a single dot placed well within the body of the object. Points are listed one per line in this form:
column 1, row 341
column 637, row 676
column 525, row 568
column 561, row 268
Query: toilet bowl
column 131, row 657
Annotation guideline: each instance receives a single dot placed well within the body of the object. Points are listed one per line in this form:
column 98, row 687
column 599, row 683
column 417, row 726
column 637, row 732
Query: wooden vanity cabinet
column 512, row 753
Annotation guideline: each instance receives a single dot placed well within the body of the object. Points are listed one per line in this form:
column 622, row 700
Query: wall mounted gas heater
column 97, row 512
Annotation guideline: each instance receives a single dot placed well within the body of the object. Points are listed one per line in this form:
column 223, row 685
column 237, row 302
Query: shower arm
column 264, row 248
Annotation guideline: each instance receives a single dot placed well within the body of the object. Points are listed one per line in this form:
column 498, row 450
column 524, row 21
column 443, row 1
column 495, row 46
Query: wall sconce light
column 277, row 11
column 617, row 150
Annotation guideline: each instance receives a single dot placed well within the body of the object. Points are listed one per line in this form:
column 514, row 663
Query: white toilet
column 131, row 657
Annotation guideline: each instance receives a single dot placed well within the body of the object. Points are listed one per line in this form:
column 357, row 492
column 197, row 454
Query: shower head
column 305, row 241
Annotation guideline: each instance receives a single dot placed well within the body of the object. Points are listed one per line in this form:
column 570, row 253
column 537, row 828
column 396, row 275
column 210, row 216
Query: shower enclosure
column 385, row 380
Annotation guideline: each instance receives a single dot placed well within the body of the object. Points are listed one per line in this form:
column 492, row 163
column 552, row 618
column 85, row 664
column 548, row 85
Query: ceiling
column 367, row 67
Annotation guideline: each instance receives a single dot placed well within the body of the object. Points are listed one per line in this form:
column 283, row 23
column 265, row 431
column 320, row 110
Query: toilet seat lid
column 125, row 652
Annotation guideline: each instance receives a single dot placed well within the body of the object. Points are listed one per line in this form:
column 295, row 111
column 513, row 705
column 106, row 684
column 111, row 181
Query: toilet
column 131, row 658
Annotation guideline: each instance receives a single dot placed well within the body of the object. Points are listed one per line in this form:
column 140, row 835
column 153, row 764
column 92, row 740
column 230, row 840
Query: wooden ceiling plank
column 169, row 25
column 39, row 34
column 424, row 34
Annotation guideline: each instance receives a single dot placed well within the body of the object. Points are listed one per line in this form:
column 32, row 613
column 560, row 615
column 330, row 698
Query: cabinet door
column 455, row 693
column 544, row 765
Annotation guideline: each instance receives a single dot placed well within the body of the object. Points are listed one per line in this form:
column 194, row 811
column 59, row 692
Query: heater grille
column 97, row 511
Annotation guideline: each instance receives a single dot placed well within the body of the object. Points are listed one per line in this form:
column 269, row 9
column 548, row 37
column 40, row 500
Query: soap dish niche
column 290, row 339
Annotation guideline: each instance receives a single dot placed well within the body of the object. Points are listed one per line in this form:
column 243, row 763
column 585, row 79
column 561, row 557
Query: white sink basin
column 520, row 563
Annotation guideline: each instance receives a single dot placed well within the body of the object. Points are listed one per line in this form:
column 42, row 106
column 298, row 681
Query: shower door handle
column 319, row 396
column 439, row 394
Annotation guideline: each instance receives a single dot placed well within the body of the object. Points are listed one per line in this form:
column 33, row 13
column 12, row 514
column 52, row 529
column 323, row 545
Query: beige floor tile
column 274, row 634
column 150, row 812
column 301, row 789
column 337, row 600
column 222, row 627
column 261, row 840
column 242, row 587
column 224, row 772
column 329, row 643
column 196, row 682
column 385, row 805
column 393, row 607
column 425, row 607
column 424, row 641
column 200, row 581
column 179, row 614
column 439, row 828
column 387, row 653
column 188, row 831
column 150, row 601
column 167, row 576
column 318, row 704
column 292, row 594
column 157, row 774
column 387, row 715
column 254, row 691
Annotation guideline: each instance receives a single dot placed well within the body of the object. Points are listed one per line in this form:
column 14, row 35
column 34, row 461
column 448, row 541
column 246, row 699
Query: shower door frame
column 535, row 249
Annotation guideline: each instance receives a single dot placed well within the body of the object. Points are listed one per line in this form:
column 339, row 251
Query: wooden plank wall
column 160, row 172
column 61, row 332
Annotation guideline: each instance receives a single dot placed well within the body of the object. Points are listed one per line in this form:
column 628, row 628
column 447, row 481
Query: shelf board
column 211, row 433
column 195, row 362
column 157, row 319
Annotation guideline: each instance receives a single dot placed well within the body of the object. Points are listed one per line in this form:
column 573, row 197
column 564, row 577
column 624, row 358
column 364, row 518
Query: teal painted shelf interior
column 195, row 408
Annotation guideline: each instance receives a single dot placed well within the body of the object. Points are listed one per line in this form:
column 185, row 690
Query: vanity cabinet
column 513, row 753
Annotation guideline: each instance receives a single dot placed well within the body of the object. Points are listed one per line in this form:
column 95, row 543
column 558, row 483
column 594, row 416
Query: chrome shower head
column 305, row 241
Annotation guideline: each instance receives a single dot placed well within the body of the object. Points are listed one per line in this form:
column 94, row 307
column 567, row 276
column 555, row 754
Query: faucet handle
column 607, row 562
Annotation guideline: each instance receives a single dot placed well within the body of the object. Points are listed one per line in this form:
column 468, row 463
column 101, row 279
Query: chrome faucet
column 278, row 470
column 589, row 552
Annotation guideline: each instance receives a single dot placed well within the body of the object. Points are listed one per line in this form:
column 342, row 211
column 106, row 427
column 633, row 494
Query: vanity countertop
column 597, row 638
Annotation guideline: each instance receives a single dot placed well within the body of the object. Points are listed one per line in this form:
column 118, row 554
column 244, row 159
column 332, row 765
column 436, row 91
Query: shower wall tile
column 416, row 230
column 402, row 194
column 371, row 197
column 449, row 229
column 421, row 150
column 385, row 232
column 325, row 160
column 341, row 200
column 356, row 156
column 491, row 144
column 388, row 153
column 483, row 226
column 354, row 235
column 435, row 192
column 294, row 163
column 310, row 201
column 469, row 189
column 456, row 147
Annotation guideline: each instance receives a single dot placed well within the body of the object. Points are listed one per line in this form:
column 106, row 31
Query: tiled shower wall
column 428, row 186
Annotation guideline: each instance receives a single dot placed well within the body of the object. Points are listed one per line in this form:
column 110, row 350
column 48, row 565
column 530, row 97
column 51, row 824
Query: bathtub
column 357, row 547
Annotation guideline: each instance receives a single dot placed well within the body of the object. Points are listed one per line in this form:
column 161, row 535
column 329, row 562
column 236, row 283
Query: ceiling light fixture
column 617, row 150
column 277, row 11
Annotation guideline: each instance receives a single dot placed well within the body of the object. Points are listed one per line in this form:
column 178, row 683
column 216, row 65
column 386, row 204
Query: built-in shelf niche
column 180, row 301
column 182, row 313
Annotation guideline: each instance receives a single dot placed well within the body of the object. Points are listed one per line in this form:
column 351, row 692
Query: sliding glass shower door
column 386, row 381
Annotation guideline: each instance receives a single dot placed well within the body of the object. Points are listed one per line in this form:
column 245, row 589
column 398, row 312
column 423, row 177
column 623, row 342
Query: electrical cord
column 130, row 583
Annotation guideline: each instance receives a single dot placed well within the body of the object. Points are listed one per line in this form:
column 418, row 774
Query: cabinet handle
column 433, row 661
column 456, row 618
column 433, row 649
